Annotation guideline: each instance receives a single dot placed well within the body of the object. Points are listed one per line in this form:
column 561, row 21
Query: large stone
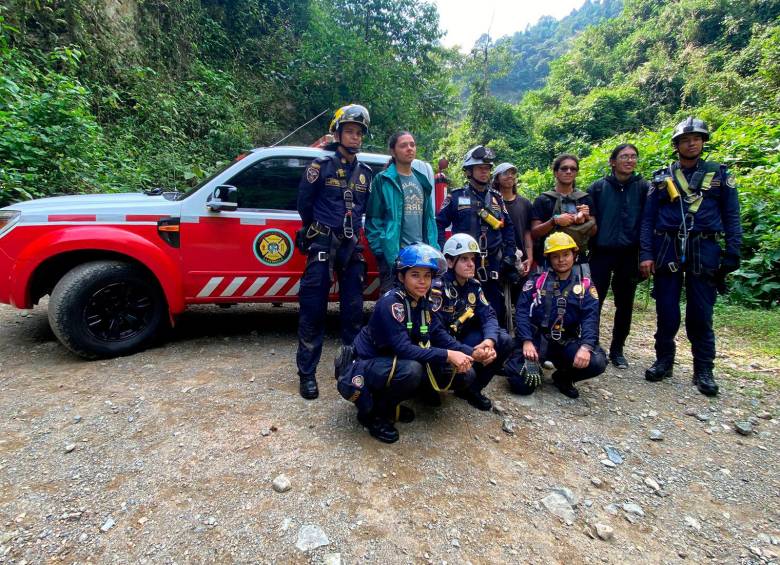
column 311, row 537
column 559, row 506
column 281, row 484
column 605, row 532
column 634, row 509
column 743, row 428
column 613, row 454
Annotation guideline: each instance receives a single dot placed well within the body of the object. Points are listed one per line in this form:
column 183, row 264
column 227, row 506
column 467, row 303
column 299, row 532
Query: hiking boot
column 659, row 371
column 380, row 428
column 564, row 384
column 475, row 398
column 705, row 382
column 405, row 414
column 308, row 387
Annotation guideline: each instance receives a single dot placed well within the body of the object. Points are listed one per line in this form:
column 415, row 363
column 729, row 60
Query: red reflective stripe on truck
column 72, row 218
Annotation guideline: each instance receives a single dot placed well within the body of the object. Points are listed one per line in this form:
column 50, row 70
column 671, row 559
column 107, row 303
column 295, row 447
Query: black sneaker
column 380, row 428
column 618, row 360
column 475, row 398
column 659, row 371
column 564, row 384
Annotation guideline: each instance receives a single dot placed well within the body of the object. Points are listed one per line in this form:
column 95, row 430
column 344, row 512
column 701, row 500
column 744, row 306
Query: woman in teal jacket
column 400, row 208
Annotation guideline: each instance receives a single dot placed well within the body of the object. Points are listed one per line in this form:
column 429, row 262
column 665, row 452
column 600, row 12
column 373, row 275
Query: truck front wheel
column 106, row 309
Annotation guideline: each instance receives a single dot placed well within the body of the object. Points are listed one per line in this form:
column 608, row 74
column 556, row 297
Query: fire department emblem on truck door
column 273, row 247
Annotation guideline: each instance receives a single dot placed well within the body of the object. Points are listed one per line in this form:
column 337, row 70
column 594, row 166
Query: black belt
column 714, row 235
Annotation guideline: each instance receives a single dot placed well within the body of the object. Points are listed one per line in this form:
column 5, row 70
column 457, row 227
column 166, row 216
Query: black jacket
column 618, row 210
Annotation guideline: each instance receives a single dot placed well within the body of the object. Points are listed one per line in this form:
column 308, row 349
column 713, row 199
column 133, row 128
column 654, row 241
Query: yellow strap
column 392, row 372
column 431, row 377
column 694, row 200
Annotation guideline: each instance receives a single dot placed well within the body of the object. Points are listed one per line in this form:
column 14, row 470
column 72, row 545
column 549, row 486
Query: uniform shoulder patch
column 358, row 381
column 436, row 301
column 594, row 293
column 529, row 284
column 731, row 182
column 398, row 311
column 312, row 173
column 482, row 298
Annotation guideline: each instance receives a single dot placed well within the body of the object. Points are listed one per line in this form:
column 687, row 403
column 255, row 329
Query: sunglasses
column 568, row 169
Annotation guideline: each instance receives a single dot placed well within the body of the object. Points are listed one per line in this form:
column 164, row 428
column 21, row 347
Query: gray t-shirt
column 411, row 226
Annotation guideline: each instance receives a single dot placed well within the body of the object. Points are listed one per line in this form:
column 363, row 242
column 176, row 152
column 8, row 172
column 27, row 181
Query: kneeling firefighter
column 465, row 312
column 332, row 198
column 557, row 320
column 403, row 346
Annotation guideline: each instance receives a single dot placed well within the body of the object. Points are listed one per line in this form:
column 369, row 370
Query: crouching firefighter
column 557, row 319
column 403, row 346
column 478, row 210
column 464, row 311
column 332, row 197
column 692, row 204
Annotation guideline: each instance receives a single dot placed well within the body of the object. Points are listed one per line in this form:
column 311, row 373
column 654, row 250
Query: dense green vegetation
column 98, row 95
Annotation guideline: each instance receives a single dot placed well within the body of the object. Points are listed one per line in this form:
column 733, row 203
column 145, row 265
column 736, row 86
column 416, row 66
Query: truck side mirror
column 223, row 199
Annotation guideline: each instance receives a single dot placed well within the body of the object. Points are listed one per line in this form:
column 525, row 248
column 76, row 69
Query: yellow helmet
column 558, row 242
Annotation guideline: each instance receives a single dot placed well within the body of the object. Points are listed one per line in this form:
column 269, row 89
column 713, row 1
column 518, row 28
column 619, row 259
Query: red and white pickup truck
column 117, row 267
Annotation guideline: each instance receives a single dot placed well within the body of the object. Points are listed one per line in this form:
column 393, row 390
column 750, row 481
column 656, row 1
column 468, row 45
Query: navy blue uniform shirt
column 387, row 335
column 718, row 212
column 460, row 209
column 321, row 196
column 582, row 309
column 450, row 300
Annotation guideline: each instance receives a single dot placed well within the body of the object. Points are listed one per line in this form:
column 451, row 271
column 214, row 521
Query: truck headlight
column 7, row 219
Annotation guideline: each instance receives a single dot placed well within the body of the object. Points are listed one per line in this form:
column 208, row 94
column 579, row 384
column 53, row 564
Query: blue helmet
column 421, row 255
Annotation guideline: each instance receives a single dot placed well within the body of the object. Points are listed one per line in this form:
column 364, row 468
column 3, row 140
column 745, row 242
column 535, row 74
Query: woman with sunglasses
column 619, row 200
column 563, row 209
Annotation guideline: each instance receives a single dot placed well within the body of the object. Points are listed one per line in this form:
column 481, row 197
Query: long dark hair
column 392, row 140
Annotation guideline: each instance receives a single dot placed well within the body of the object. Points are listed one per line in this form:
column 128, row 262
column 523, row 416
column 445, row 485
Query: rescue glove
column 729, row 263
column 533, row 374
column 510, row 272
column 301, row 241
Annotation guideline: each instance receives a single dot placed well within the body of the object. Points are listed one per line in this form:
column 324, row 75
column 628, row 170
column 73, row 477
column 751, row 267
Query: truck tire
column 106, row 309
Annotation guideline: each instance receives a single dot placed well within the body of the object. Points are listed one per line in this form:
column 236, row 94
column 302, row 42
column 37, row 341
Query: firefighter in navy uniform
column 464, row 311
column 478, row 210
column 403, row 347
column 557, row 319
column 691, row 206
column 332, row 198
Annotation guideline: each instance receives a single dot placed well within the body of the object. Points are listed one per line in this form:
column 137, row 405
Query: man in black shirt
column 618, row 200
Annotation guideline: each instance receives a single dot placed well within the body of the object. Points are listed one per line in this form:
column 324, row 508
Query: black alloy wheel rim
column 118, row 311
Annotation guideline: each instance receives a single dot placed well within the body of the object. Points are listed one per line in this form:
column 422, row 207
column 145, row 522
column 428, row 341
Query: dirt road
column 168, row 456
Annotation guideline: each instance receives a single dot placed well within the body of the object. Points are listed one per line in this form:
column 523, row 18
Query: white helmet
column 460, row 244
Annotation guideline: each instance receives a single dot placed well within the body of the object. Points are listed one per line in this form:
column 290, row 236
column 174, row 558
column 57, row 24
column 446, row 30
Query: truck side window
column 270, row 184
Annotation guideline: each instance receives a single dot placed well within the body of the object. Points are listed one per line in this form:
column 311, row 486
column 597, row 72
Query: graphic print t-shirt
column 411, row 226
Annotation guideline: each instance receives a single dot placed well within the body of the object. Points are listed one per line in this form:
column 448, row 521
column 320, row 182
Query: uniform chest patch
column 397, row 309
column 312, row 174
column 472, row 298
column 577, row 289
column 362, row 179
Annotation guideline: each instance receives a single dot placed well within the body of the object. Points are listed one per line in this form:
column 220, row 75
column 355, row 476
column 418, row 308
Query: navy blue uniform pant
column 700, row 297
column 562, row 356
column 313, row 298
column 618, row 267
column 378, row 385
column 493, row 288
column 485, row 373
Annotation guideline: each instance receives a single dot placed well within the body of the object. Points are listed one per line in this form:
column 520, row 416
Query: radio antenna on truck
column 299, row 128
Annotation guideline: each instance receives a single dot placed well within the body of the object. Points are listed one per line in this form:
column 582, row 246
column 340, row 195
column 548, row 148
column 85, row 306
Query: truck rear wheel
column 106, row 309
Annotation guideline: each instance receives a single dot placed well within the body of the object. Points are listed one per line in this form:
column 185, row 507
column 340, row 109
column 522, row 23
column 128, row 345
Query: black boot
column 618, row 359
column 308, row 387
column 659, row 371
column 343, row 360
column 563, row 381
column 475, row 398
column 705, row 381
column 405, row 414
column 378, row 427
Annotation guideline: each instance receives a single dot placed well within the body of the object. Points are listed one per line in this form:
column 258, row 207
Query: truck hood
column 97, row 204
